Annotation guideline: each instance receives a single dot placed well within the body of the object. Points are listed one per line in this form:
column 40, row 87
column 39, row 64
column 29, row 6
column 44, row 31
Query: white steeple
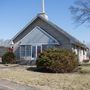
column 43, row 14
column 43, row 6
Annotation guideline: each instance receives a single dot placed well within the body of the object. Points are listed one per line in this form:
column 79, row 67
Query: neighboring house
column 41, row 34
column 3, row 50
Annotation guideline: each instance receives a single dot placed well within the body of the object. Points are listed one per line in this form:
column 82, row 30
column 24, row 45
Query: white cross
column 43, row 6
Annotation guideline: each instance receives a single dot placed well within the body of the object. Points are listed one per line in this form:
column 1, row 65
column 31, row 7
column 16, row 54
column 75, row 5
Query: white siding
column 81, row 53
column 36, row 37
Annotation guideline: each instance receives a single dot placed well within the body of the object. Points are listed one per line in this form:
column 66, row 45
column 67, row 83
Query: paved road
column 9, row 85
column 5, row 88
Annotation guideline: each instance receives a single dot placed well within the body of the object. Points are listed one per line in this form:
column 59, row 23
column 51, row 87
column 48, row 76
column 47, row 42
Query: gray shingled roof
column 71, row 38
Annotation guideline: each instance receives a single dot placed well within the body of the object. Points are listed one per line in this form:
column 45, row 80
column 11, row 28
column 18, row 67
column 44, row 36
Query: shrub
column 57, row 61
column 8, row 58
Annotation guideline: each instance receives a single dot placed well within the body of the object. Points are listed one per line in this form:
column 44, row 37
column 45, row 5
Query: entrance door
column 39, row 50
column 33, row 52
column 36, row 50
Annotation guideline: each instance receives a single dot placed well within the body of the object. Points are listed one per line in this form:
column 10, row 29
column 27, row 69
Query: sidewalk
column 9, row 85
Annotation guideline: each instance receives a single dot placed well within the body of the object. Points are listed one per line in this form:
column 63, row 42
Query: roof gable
column 50, row 28
column 45, row 25
column 38, row 36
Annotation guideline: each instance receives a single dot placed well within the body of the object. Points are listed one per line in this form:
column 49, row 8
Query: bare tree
column 1, row 42
column 88, row 44
column 81, row 11
column 4, row 43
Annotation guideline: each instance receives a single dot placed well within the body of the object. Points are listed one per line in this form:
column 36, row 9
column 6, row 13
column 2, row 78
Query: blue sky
column 15, row 14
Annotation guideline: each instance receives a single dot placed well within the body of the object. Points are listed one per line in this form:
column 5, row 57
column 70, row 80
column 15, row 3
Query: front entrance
column 35, row 51
column 30, row 52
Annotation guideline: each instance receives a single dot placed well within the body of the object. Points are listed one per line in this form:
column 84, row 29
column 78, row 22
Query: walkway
column 9, row 85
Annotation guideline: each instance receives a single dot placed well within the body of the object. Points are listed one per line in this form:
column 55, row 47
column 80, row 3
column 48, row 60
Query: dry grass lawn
column 47, row 81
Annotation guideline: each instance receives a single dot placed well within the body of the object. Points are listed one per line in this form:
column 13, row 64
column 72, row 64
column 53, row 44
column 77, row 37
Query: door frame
column 35, row 51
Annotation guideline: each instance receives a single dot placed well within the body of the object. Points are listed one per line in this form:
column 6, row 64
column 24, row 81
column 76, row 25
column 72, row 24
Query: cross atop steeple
column 43, row 14
column 43, row 6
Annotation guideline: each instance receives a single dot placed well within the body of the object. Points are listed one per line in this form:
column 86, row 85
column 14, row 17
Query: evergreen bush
column 8, row 58
column 57, row 61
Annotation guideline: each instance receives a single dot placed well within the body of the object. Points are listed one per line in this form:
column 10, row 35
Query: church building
column 41, row 34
